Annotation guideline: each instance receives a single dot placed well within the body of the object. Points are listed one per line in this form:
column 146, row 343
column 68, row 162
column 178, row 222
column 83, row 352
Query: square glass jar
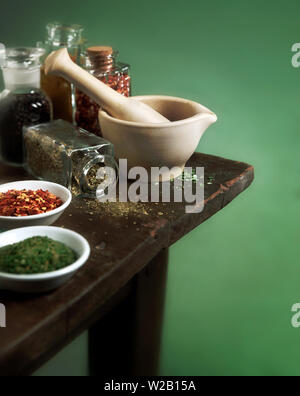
column 62, row 153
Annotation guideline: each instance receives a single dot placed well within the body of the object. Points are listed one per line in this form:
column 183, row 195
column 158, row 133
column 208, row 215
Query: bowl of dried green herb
column 40, row 259
column 32, row 203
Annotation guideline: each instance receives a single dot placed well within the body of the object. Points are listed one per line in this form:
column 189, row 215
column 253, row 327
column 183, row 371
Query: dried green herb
column 35, row 255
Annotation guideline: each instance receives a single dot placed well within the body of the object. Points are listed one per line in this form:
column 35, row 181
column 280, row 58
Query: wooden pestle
column 128, row 109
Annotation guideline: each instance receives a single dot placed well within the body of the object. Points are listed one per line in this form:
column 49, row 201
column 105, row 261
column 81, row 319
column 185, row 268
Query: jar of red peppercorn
column 102, row 63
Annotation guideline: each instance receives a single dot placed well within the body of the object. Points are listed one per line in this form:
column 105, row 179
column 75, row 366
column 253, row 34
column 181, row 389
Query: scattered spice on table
column 130, row 211
column 35, row 255
column 19, row 203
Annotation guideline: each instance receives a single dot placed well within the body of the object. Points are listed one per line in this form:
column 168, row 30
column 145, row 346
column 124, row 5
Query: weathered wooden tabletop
column 124, row 238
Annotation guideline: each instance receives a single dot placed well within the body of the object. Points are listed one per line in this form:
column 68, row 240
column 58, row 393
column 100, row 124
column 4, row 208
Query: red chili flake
column 87, row 110
column 20, row 203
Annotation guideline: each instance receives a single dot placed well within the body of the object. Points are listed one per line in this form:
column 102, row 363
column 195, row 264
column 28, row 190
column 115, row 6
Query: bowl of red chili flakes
column 32, row 203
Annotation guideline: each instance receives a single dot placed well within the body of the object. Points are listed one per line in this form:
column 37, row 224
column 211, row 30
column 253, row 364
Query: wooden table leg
column 127, row 340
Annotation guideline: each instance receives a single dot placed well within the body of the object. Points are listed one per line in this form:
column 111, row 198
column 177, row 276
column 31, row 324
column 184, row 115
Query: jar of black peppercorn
column 102, row 63
column 22, row 103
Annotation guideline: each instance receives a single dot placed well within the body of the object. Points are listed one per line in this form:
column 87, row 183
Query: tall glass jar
column 102, row 63
column 58, row 89
column 22, row 102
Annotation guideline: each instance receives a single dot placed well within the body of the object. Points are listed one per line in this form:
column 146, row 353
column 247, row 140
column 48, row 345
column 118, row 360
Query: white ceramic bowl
column 51, row 280
column 8, row 223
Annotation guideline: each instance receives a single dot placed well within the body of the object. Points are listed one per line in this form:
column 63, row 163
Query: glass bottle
column 62, row 153
column 102, row 63
column 58, row 89
column 22, row 102
column 2, row 60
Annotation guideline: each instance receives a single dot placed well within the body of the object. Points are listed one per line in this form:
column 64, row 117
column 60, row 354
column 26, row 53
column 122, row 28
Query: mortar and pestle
column 148, row 131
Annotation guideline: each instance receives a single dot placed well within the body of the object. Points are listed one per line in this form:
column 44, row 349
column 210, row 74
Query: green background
column 232, row 281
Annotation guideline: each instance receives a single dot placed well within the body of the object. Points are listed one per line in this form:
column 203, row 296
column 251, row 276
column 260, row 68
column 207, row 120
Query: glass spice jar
column 64, row 154
column 102, row 63
column 58, row 89
column 22, row 103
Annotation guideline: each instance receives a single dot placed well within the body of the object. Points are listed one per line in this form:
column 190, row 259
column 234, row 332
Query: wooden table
column 119, row 294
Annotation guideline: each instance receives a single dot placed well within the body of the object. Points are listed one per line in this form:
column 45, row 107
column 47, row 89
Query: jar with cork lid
column 102, row 62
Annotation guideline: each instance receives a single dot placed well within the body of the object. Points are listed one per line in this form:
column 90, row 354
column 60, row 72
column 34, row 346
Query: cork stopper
column 100, row 51
column 101, row 57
